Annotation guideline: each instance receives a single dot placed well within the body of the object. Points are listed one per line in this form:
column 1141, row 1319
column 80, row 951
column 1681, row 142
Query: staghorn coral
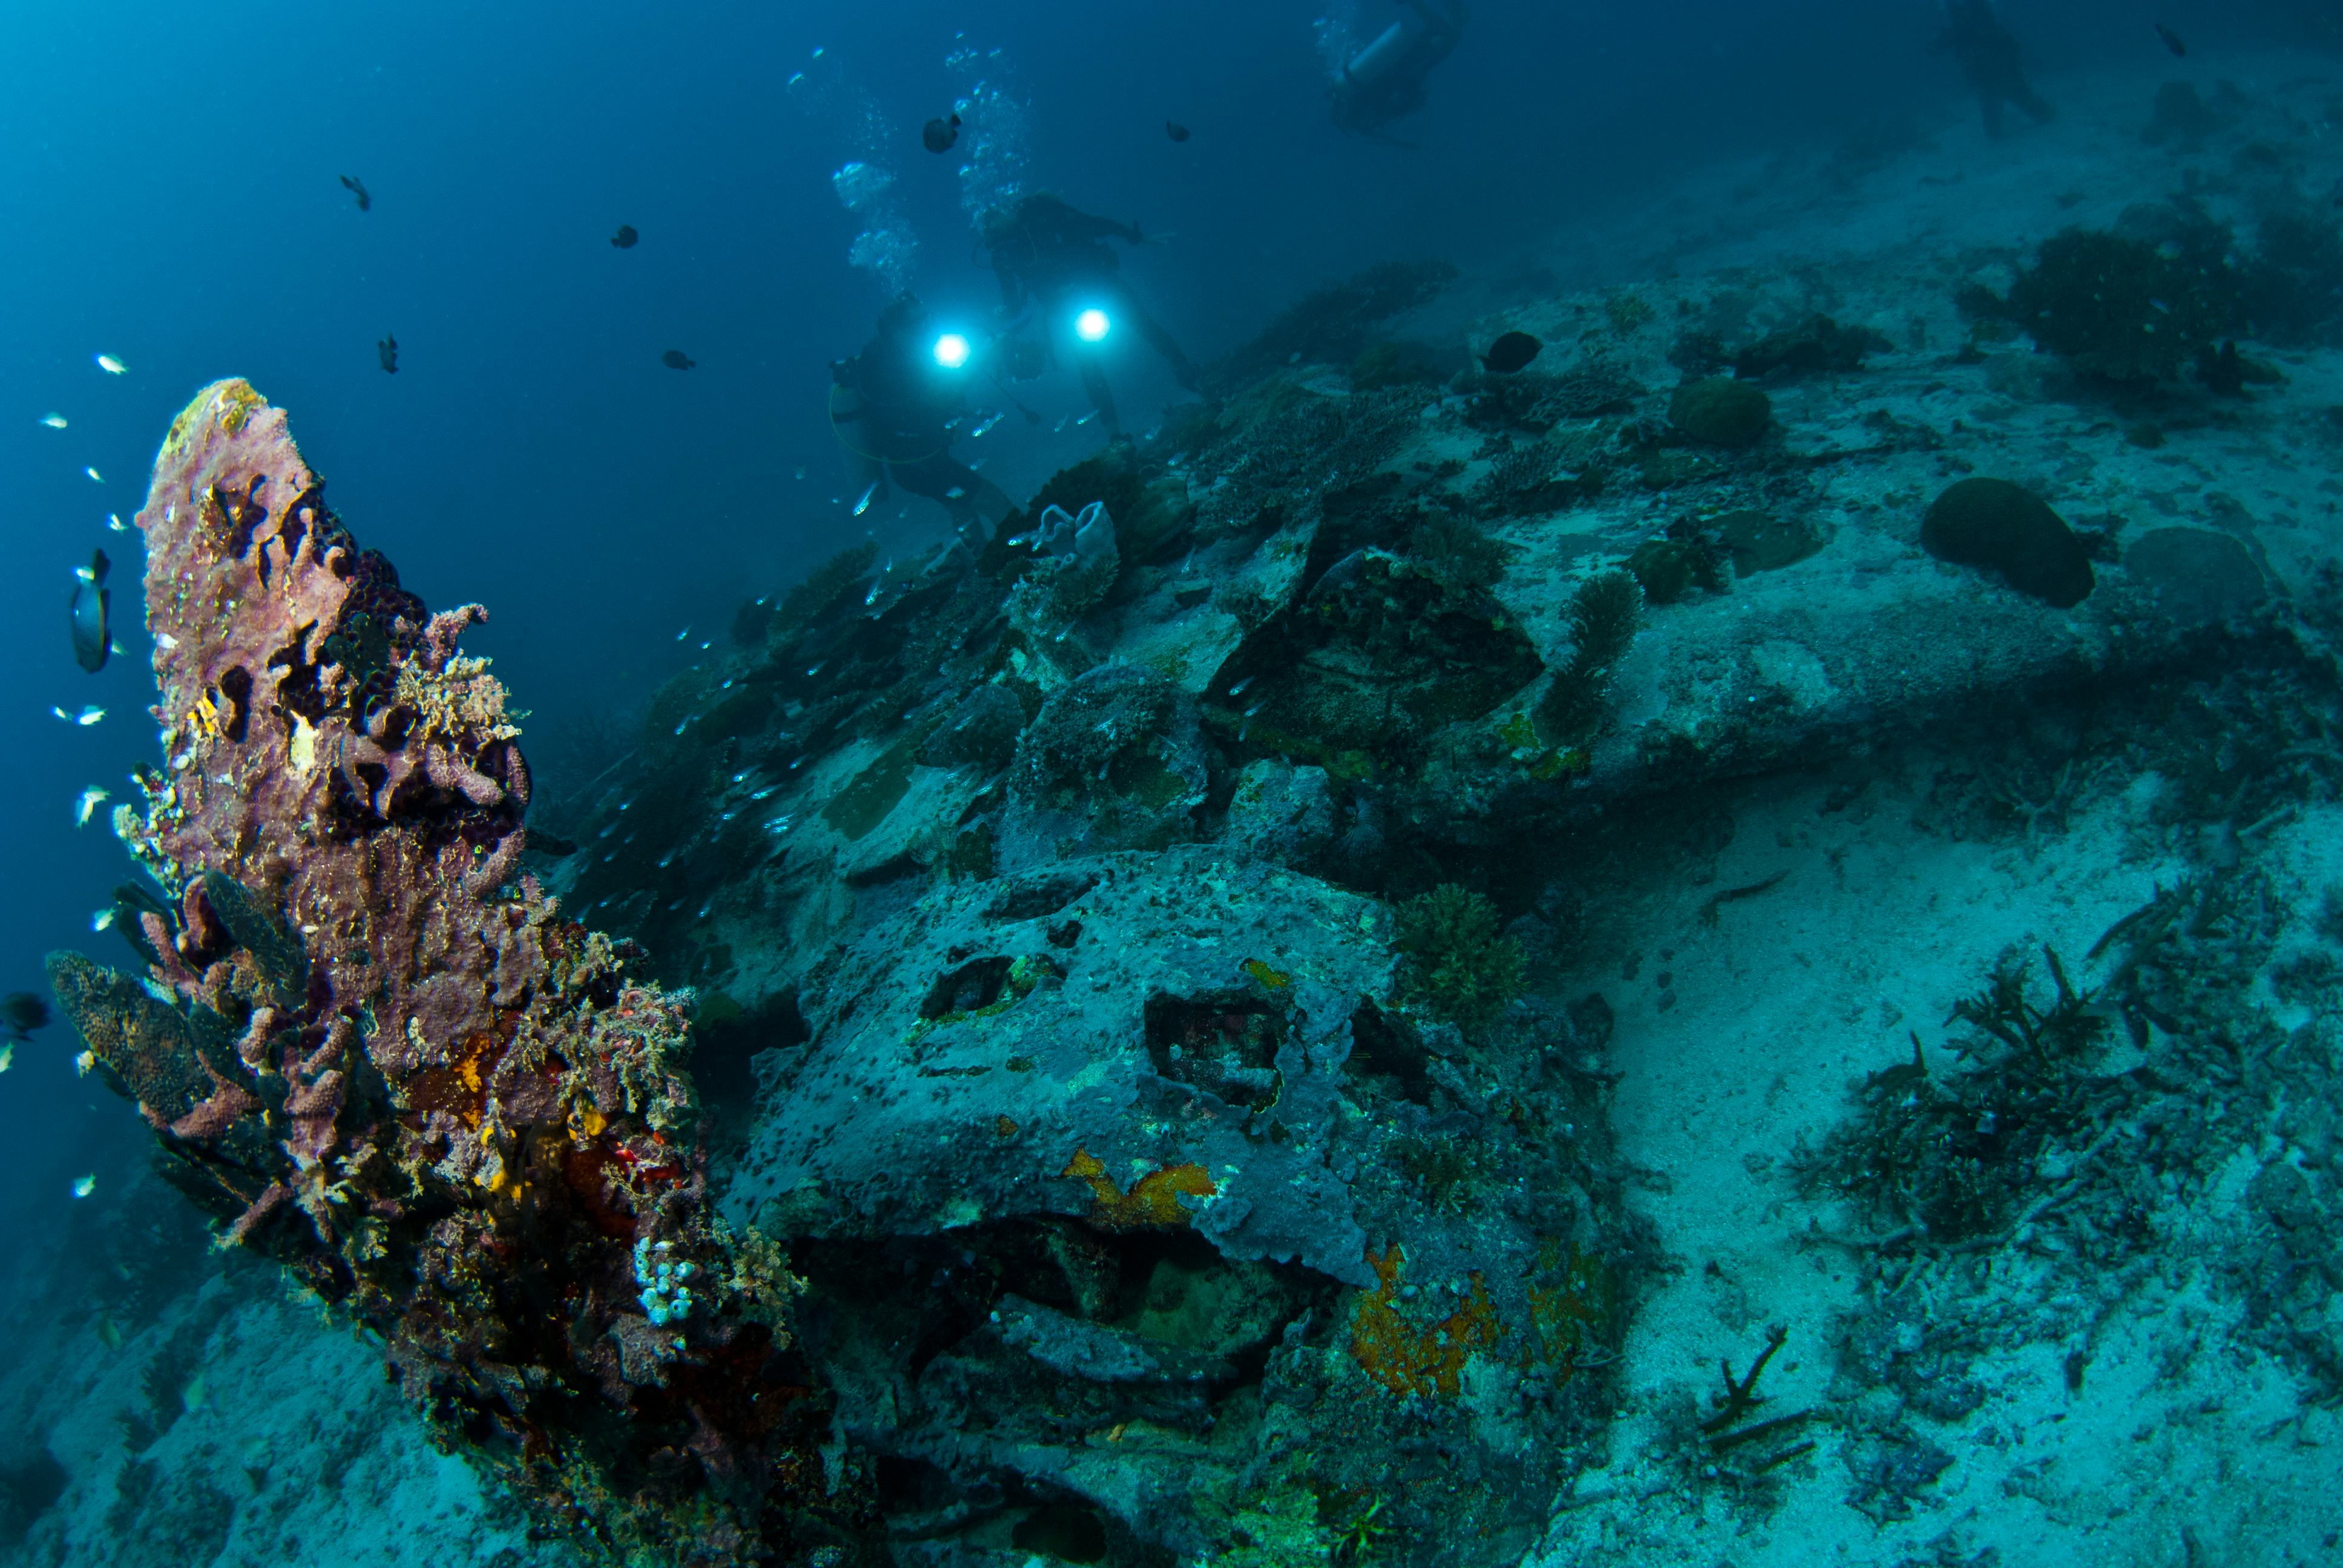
column 371, row 1052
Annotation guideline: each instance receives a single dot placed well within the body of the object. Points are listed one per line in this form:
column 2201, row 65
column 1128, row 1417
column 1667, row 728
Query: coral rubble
column 374, row 1050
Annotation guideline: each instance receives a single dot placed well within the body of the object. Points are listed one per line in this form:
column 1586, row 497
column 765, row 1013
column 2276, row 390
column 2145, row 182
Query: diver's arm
column 1084, row 225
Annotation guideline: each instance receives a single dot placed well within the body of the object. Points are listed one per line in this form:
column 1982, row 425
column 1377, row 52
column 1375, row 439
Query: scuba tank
column 1363, row 69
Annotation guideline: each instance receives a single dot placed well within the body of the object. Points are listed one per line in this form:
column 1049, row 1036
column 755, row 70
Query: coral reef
column 1996, row 524
column 1112, row 761
column 371, row 1050
column 1813, row 347
column 1538, row 402
column 1075, row 561
column 1334, row 325
column 2124, row 308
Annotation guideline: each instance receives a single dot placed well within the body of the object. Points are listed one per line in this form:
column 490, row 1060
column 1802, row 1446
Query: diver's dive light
column 1091, row 325
column 951, row 351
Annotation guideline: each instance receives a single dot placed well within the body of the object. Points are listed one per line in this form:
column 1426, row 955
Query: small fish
column 86, row 718
column 85, row 803
column 83, row 1186
column 21, row 1013
column 386, row 352
column 1510, row 352
column 114, row 521
column 1175, row 130
column 625, row 236
column 2172, row 41
column 102, row 921
column 94, row 477
column 937, row 135
column 54, row 421
column 356, row 187
column 1238, row 690
column 8, row 1056
column 863, row 504
column 676, row 360
column 110, row 364
column 91, row 610
column 684, row 633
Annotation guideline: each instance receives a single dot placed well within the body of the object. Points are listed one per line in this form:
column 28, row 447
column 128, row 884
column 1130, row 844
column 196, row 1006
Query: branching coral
column 2120, row 307
column 369, row 1051
column 1457, row 961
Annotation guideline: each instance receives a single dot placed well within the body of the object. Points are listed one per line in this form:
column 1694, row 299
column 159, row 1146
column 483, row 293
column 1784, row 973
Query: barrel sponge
column 1719, row 411
column 1996, row 524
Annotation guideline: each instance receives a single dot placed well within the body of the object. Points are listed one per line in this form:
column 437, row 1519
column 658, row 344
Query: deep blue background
column 168, row 195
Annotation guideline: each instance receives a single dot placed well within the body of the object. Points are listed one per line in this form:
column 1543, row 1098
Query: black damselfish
column 1510, row 352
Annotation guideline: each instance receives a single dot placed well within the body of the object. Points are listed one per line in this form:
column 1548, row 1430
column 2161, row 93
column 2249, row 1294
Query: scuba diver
column 1975, row 36
column 1384, row 80
column 892, row 406
column 1052, row 257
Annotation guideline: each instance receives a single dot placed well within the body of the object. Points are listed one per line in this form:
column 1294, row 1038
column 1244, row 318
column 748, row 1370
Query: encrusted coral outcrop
column 375, row 1050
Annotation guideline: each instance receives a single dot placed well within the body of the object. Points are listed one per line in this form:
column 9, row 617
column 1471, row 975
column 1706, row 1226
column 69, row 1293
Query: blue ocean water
column 173, row 186
column 170, row 178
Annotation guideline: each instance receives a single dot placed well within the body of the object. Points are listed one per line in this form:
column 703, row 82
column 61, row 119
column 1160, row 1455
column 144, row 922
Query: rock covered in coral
column 1113, row 761
column 2199, row 576
column 1147, row 1145
column 1719, row 411
column 2004, row 526
column 1815, row 346
column 1283, row 812
column 1074, row 564
column 1762, row 543
column 375, row 1052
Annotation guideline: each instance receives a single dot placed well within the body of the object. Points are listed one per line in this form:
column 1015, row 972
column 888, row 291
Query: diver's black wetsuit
column 895, row 422
column 1975, row 36
column 1371, row 92
column 1048, row 255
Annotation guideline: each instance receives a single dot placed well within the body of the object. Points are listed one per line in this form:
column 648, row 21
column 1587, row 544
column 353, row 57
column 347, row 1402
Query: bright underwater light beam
column 951, row 351
column 1091, row 325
